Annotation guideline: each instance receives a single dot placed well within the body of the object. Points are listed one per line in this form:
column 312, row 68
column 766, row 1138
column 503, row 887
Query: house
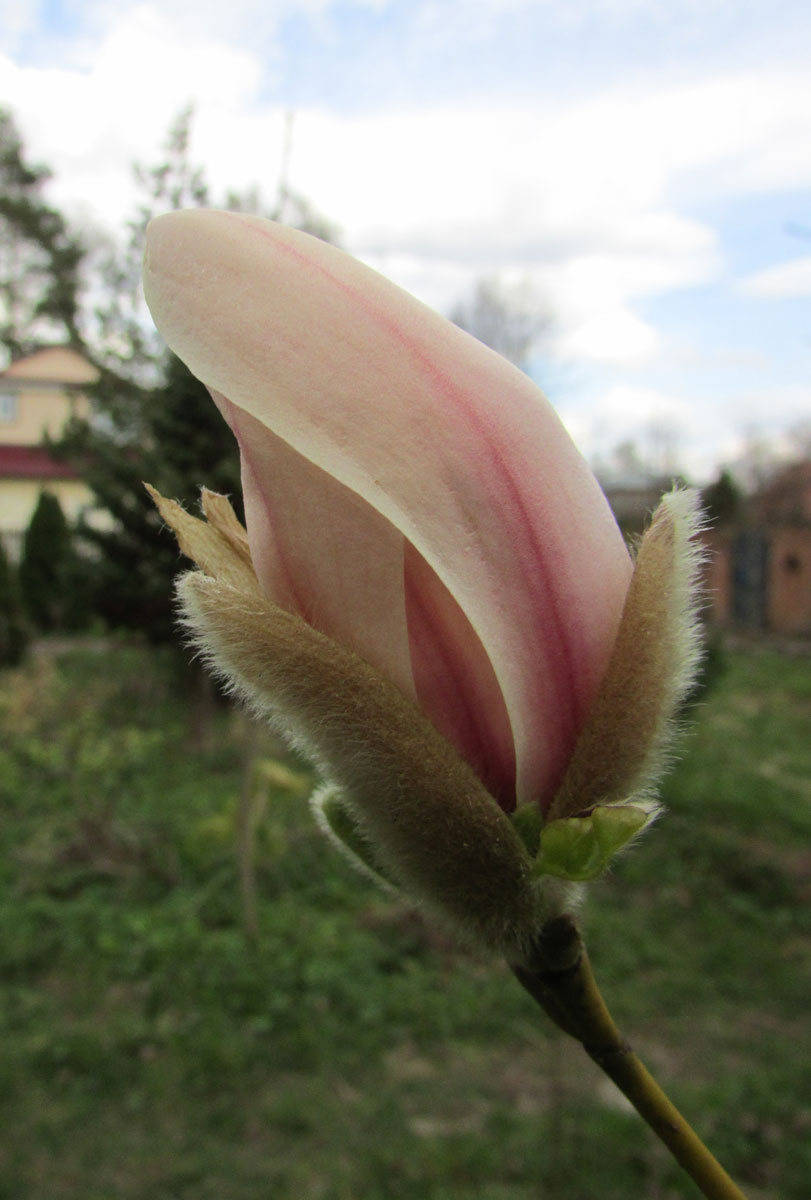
column 38, row 394
column 759, row 574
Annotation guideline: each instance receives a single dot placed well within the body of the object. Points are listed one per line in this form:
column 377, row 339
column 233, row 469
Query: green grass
column 353, row 1052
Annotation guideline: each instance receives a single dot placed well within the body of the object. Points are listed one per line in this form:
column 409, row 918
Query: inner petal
column 321, row 551
column 455, row 681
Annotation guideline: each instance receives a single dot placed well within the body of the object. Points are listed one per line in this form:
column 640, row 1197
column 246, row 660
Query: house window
column 8, row 407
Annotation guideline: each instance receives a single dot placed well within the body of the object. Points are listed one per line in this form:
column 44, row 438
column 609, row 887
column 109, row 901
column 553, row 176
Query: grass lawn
column 351, row 1051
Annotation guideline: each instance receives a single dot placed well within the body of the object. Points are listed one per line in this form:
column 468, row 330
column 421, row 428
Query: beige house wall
column 19, row 498
column 36, row 413
column 58, row 364
column 38, row 395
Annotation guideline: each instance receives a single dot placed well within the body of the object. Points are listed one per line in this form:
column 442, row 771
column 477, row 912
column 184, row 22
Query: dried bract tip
column 218, row 545
column 218, row 512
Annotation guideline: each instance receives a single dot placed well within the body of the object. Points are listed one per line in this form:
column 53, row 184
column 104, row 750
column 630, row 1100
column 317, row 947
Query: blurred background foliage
column 160, row 1038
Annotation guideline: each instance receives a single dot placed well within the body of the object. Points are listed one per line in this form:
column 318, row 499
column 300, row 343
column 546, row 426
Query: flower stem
column 558, row 976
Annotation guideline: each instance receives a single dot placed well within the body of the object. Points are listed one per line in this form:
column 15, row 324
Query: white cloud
column 476, row 193
column 617, row 337
column 90, row 125
column 472, row 20
column 727, row 133
column 627, row 407
column 775, row 283
column 680, row 432
column 664, row 428
column 593, row 201
column 770, row 409
column 81, row 27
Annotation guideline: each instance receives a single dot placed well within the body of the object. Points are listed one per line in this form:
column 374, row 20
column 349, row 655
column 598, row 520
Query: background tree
column 722, row 500
column 506, row 318
column 40, row 259
column 125, row 344
column 51, row 575
column 13, row 627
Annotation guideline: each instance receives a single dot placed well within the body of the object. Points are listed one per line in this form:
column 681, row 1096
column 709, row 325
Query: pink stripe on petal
column 454, row 679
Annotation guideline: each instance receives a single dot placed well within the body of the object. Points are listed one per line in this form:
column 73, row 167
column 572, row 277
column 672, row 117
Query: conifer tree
column 13, row 627
column 49, row 573
column 722, row 500
column 40, row 259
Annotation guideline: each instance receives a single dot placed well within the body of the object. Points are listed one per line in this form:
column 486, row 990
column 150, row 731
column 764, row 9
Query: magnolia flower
column 429, row 597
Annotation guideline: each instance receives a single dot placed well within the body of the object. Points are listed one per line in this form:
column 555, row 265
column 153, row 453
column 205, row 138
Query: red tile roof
column 32, row 462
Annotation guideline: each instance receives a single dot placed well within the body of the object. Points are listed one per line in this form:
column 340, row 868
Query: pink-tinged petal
column 320, row 551
column 454, row 447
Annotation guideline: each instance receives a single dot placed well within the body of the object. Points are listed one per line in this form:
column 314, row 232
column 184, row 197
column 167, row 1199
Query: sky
column 640, row 168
